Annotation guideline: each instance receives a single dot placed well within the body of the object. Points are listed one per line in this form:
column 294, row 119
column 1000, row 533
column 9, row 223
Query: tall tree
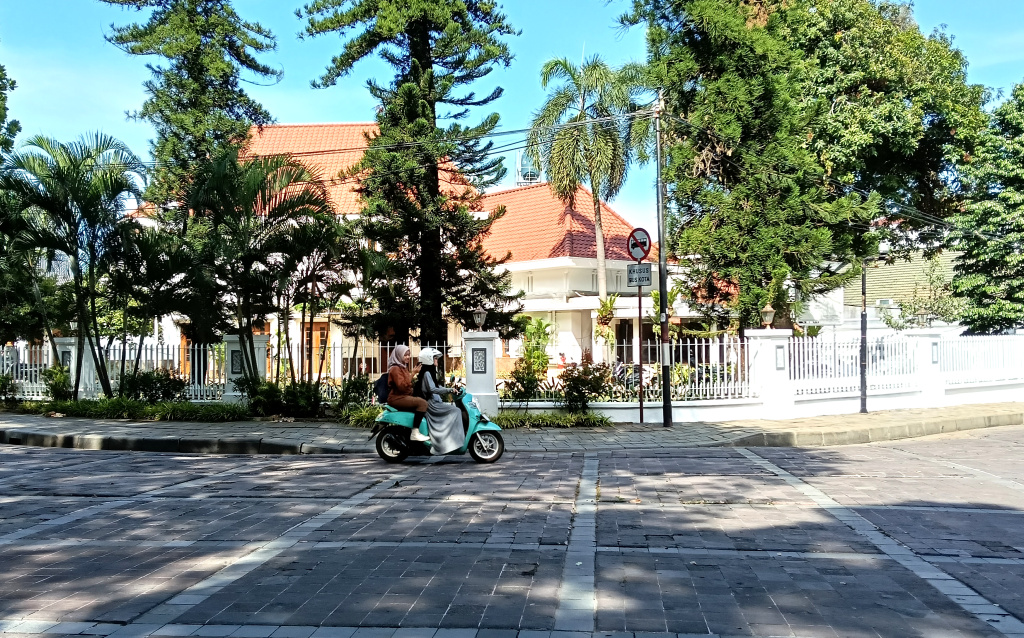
column 75, row 195
column 438, row 48
column 8, row 129
column 581, row 135
column 254, row 208
column 196, row 102
column 989, row 274
column 752, row 215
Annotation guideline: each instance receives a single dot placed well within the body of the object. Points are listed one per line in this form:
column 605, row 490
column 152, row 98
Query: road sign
column 638, row 245
column 638, row 275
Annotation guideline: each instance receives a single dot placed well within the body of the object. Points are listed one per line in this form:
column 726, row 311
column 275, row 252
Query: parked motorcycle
column 483, row 440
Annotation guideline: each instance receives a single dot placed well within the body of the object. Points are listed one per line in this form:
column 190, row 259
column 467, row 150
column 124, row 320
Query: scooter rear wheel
column 486, row 446
column 393, row 444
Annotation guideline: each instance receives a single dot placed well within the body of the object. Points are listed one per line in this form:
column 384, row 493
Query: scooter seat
column 388, row 408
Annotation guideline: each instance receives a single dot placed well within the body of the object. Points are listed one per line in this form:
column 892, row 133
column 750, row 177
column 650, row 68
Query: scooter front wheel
column 486, row 446
column 393, row 444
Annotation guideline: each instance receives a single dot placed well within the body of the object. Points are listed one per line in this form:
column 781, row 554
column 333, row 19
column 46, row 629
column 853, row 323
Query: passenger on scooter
column 400, row 388
column 443, row 419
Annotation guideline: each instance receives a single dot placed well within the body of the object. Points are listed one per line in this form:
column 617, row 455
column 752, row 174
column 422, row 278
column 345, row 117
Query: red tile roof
column 538, row 225
column 324, row 148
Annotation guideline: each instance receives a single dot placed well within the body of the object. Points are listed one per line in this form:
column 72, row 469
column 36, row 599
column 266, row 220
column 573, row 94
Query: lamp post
column 864, row 330
column 767, row 315
column 480, row 317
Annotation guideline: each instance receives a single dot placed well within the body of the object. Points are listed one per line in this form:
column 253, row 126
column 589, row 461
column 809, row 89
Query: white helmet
column 427, row 356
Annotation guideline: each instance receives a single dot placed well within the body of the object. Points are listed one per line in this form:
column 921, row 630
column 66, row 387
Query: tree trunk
column 602, row 272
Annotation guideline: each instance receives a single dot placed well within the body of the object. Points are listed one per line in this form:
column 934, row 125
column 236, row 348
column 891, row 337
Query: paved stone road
column 922, row 538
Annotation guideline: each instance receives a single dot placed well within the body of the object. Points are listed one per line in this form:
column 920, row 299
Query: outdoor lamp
column 479, row 317
column 767, row 315
column 73, row 325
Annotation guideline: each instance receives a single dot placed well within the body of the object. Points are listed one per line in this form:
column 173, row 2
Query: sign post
column 638, row 245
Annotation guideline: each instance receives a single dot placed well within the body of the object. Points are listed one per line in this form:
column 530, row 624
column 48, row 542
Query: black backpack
column 381, row 390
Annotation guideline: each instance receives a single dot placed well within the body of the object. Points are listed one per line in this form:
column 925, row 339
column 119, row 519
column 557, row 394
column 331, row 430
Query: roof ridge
column 318, row 124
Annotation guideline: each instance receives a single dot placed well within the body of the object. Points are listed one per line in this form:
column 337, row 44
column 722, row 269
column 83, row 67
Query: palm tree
column 74, row 196
column 582, row 135
column 254, row 208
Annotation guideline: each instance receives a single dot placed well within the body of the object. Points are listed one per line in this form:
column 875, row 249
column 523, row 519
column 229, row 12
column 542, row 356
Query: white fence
column 979, row 360
column 823, row 366
column 24, row 364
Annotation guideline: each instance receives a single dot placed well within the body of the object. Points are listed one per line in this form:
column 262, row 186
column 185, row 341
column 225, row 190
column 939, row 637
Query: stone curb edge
column 908, row 429
column 186, row 445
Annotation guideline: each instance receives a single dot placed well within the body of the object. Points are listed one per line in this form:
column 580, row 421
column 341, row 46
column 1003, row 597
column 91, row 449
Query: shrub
column 263, row 399
column 58, row 383
column 122, row 408
column 524, row 381
column 513, row 420
column 153, row 386
column 8, row 388
column 302, row 399
column 582, row 382
column 360, row 416
column 355, row 392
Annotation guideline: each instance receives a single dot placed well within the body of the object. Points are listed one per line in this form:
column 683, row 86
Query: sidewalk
column 262, row 437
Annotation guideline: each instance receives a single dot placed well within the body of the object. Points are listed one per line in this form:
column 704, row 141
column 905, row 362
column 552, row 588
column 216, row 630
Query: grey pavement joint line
column 577, row 595
column 85, row 512
column 973, row 471
column 166, row 612
column 967, row 598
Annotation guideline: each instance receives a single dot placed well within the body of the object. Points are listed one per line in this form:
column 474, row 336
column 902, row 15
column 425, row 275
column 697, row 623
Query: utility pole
column 864, row 337
column 666, row 362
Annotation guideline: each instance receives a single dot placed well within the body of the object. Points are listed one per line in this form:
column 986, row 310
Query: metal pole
column 666, row 381
column 640, row 338
column 864, row 338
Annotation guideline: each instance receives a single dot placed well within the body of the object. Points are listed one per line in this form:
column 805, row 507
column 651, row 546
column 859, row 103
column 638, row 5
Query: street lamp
column 767, row 315
column 479, row 317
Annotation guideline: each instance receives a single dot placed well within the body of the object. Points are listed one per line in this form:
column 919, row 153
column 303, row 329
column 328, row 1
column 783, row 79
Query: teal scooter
column 483, row 439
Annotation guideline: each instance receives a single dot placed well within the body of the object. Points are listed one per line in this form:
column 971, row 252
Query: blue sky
column 71, row 81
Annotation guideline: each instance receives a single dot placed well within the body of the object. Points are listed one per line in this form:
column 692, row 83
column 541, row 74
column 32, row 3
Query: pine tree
column 8, row 129
column 195, row 102
column 990, row 230
column 424, row 220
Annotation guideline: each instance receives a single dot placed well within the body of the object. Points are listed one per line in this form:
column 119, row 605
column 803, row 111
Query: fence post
column 234, row 368
column 769, row 370
column 926, row 353
column 67, row 352
column 480, row 373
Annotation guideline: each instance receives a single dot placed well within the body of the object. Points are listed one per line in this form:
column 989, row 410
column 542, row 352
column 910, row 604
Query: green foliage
column 360, row 416
column 57, row 380
column 525, row 380
column 605, row 315
column 122, row 408
column 582, row 383
column 438, row 47
column 152, row 386
column 8, row 129
column 511, row 420
column 578, row 139
column 781, row 115
column 195, row 102
column 536, row 338
column 264, row 399
column 302, row 399
column 355, row 392
column 929, row 303
column 989, row 274
column 8, row 388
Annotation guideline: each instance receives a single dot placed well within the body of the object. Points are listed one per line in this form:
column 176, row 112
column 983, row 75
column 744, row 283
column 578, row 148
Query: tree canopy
column 8, row 128
column 196, row 102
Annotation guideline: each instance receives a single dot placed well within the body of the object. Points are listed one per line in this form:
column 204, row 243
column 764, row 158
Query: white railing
column 823, row 366
column 981, row 359
column 24, row 364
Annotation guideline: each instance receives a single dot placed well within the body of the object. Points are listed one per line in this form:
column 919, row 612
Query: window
column 529, row 282
column 593, row 280
column 618, row 280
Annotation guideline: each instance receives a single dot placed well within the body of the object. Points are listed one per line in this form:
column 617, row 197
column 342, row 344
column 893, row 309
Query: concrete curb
column 821, row 437
column 181, row 445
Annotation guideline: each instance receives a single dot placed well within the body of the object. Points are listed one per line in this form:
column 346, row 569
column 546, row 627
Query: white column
column 67, row 351
column 769, row 370
column 480, row 374
column 925, row 351
column 234, row 367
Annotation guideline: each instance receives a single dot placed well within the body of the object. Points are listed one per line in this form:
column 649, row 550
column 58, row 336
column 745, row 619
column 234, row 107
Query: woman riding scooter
column 400, row 388
column 443, row 419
